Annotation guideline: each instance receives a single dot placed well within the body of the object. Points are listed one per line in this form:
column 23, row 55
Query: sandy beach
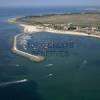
column 31, row 29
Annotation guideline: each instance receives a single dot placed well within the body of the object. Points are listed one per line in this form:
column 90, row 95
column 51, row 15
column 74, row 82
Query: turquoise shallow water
column 75, row 76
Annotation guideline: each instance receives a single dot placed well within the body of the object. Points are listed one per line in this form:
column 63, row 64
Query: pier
column 35, row 58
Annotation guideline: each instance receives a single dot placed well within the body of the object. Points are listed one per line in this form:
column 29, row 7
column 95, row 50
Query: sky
column 49, row 2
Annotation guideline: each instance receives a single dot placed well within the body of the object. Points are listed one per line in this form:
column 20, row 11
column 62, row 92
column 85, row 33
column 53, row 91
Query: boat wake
column 13, row 82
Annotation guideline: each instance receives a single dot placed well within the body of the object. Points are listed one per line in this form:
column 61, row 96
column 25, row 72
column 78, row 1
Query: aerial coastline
column 30, row 28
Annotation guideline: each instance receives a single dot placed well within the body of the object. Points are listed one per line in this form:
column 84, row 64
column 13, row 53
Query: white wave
column 13, row 82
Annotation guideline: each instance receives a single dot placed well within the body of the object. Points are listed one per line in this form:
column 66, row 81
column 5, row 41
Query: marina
column 24, row 54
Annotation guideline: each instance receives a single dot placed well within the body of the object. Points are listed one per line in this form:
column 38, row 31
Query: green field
column 77, row 19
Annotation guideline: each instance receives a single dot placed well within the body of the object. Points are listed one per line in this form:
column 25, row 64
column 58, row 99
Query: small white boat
column 84, row 61
column 25, row 48
column 49, row 65
column 17, row 65
column 32, row 45
column 50, row 75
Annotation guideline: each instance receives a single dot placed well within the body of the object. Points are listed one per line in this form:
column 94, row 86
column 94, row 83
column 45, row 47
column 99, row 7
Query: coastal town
column 71, row 27
column 87, row 23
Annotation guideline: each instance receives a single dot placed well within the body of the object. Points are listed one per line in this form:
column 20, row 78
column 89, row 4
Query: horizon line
column 50, row 6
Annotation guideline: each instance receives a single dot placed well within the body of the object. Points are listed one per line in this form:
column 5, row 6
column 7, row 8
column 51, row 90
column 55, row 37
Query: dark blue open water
column 75, row 76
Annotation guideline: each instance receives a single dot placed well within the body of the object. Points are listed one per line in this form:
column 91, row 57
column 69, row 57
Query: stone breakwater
column 31, row 57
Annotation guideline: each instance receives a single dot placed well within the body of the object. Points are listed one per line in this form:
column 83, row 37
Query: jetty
column 35, row 58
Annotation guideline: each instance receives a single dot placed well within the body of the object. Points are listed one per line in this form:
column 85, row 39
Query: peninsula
column 79, row 22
